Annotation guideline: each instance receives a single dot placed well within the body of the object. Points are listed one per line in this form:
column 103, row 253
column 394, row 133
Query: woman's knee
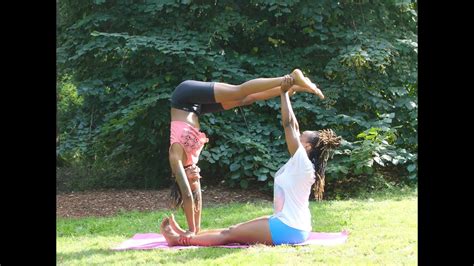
column 240, row 91
column 229, row 232
column 248, row 100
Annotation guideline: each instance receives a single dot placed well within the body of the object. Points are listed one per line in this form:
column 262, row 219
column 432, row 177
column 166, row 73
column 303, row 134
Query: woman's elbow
column 289, row 124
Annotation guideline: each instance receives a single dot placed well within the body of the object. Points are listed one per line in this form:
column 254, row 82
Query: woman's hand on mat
column 286, row 83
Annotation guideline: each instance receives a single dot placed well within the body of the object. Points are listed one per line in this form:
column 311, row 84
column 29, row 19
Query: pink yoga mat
column 152, row 241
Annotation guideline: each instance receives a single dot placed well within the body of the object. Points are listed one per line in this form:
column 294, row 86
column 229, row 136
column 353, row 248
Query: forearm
column 188, row 208
column 287, row 115
column 197, row 211
column 186, row 194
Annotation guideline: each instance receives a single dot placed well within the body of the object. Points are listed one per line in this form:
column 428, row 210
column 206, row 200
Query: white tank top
column 292, row 188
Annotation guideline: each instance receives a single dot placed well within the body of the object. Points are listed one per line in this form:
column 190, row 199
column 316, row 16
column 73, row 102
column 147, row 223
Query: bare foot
column 171, row 237
column 300, row 79
column 176, row 226
column 297, row 88
column 306, row 83
column 317, row 91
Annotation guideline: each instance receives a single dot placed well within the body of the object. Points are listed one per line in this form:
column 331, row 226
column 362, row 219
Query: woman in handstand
column 193, row 98
column 291, row 222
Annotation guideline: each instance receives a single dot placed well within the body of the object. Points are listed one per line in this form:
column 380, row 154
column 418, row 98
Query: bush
column 119, row 61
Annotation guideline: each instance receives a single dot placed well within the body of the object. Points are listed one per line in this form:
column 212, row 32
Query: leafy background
column 119, row 61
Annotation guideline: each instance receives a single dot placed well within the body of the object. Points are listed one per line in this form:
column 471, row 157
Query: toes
column 165, row 222
column 319, row 93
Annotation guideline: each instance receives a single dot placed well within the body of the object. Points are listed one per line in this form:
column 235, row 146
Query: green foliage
column 119, row 61
column 377, row 146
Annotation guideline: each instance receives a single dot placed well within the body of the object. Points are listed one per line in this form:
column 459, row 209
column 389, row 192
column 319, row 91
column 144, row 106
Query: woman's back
column 292, row 188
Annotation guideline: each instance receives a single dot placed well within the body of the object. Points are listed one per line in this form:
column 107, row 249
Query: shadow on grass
column 166, row 256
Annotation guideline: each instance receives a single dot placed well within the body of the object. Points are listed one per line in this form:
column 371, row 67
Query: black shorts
column 195, row 96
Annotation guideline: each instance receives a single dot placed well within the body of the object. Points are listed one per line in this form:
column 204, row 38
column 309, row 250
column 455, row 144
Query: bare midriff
column 188, row 117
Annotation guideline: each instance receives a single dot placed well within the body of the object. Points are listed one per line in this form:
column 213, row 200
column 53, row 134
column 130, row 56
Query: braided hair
column 322, row 144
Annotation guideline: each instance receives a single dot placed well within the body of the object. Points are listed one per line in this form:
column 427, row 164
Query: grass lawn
column 383, row 230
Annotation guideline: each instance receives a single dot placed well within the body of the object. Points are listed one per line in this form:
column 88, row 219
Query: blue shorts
column 284, row 234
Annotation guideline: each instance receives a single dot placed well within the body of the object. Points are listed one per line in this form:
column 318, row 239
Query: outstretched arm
column 176, row 153
column 288, row 119
column 194, row 176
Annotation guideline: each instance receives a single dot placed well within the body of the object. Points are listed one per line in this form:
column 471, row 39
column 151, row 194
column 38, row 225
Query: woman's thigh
column 251, row 232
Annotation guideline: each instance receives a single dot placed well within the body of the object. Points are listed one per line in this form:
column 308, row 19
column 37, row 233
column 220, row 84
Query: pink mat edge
column 152, row 245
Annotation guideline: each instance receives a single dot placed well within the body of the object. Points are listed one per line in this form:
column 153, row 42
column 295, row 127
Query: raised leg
column 224, row 92
column 262, row 96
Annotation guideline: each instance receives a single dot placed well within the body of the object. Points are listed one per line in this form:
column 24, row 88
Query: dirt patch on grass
column 110, row 202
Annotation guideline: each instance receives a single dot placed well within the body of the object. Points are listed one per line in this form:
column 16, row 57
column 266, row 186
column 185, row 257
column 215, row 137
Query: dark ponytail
column 176, row 199
column 322, row 144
